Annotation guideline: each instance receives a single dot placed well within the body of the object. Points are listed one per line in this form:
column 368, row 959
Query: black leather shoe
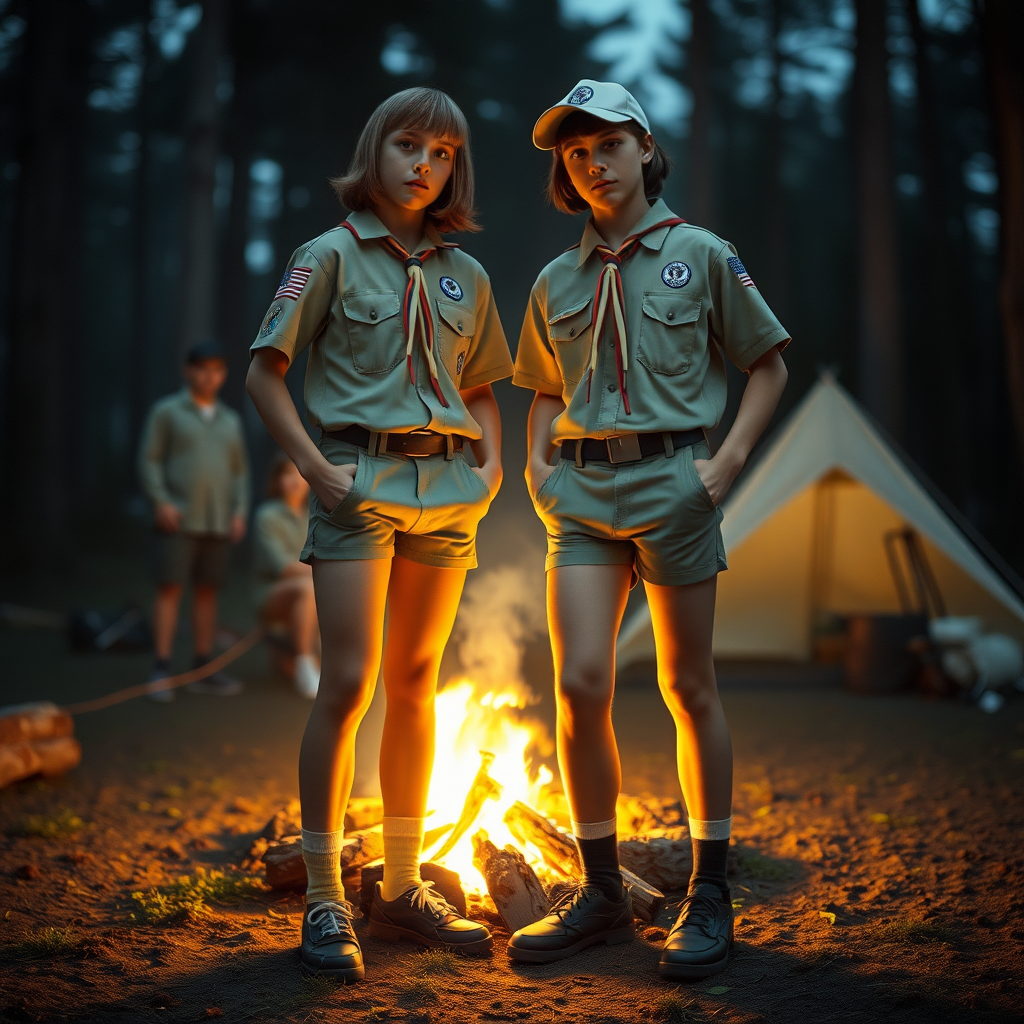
column 422, row 915
column 701, row 939
column 330, row 948
column 582, row 917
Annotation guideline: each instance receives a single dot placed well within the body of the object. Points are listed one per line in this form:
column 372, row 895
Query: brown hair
column 561, row 192
column 417, row 109
column 278, row 467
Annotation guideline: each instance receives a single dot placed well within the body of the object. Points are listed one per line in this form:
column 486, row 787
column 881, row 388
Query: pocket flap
column 370, row 307
column 460, row 319
column 672, row 310
column 569, row 323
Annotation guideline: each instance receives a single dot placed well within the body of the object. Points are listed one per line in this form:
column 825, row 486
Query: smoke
column 502, row 610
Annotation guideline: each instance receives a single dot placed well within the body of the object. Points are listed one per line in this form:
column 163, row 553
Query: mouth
column 417, row 183
column 602, row 185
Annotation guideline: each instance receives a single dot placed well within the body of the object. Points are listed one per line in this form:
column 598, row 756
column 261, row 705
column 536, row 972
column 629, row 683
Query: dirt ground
column 879, row 865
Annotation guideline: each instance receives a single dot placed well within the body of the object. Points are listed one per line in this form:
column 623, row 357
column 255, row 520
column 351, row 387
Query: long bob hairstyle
column 561, row 192
column 418, row 109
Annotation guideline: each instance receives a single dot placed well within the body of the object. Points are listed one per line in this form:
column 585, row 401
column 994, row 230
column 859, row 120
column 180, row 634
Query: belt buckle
column 420, row 433
column 623, row 448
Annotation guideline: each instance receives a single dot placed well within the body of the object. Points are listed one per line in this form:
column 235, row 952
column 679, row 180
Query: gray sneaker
column 329, row 945
column 156, row 692
column 219, row 685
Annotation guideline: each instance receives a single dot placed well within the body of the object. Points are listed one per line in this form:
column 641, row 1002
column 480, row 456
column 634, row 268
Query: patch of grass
column 421, row 992
column 49, row 826
column 49, row 942
column 187, row 898
column 763, row 869
column 674, row 1009
column 432, row 962
column 904, row 930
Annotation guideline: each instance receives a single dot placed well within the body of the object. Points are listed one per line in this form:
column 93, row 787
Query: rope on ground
column 171, row 682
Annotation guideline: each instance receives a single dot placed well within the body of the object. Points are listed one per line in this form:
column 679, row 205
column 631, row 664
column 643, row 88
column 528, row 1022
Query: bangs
column 425, row 110
column 579, row 124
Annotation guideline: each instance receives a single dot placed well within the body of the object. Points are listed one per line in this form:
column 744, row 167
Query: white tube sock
column 321, row 852
column 403, row 843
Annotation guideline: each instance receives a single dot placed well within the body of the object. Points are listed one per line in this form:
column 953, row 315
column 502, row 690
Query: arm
column 240, row 489
column 543, row 411
column 765, row 385
column 151, row 474
column 269, row 393
column 483, row 407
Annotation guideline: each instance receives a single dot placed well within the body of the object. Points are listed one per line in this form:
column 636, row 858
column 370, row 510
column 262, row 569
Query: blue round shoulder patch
column 273, row 317
column 451, row 288
column 581, row 96
column 676, row 274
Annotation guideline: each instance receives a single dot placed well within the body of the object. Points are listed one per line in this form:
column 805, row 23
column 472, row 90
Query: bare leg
column 683, row 619
column 422, row 602
column 165, row 617
column 585, row 607
column 204, row 618
column 350, row 598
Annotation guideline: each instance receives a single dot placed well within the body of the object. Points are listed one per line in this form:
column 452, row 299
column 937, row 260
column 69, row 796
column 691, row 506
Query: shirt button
column 572, row 331
column 459, row 325
column 671, row 316
column 373, row 314
column 611, row 388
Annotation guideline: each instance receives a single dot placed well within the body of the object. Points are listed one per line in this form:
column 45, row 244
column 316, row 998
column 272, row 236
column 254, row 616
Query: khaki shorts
column 426, row 509
column 197, row 558
column 655, row 515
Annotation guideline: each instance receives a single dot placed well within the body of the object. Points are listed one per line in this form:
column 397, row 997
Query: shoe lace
column 570, row 898
column 425, row 897
column 697, row 911
column 332, row 918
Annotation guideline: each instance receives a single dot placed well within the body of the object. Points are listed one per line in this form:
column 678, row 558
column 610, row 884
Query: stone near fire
column 286, row 869
column 662, row 857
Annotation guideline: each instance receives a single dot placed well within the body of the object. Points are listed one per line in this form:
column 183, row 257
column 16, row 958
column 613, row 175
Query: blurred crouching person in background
column 194, row 469
column 284, row 585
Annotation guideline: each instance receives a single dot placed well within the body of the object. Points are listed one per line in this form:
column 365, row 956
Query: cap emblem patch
column 451, row 288
column 272, row 320
column 676, row 274
column 582, row 95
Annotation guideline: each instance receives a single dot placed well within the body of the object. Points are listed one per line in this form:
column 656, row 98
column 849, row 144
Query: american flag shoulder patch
column 293, row 282
column 736, row 266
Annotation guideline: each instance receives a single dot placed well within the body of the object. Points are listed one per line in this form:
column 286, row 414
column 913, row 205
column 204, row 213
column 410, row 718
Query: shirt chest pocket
column 668, row 331
column 456, row 327
column 374, row 330
column 570, row 331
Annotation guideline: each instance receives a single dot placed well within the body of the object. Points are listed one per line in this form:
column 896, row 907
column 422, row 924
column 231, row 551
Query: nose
column 422, row 165
column 597, row 167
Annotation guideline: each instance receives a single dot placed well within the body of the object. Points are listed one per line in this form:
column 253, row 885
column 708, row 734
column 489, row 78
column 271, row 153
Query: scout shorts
column 655, row 515
column 198, row 558
column 426, row 509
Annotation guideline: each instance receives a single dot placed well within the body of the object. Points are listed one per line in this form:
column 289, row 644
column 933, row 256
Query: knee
column 413, row 687
column 585, row 690
column 344, row 693
column 690, row 692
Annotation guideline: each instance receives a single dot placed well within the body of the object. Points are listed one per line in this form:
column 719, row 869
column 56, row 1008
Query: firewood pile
column 523, row 880
column 36, row 739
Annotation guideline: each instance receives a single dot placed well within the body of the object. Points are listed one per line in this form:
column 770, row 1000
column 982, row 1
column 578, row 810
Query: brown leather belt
column 415, row 443
column 628, row 447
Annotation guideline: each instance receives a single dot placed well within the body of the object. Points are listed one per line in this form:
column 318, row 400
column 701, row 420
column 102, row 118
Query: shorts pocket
column 460, row 458
column 353, row 491
column 698, row 484
column 545, row 487
column 457, row 327
column 374, row 330
column 570, row 332
column 668, row 329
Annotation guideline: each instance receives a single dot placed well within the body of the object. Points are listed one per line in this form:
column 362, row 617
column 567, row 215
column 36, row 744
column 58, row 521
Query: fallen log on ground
column 287, row 870
column 511, row 882
column 41, row 720
column 48, row 757
column 647, row 900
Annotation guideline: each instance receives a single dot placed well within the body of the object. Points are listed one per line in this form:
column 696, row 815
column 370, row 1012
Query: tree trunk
column 38, row 428
column 702, row 164
column 778, row 223
column 197, row 293
column 1002, row 27
column 880, row 342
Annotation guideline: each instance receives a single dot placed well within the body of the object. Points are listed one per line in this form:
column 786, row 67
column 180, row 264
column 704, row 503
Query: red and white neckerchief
column 609, row 292
column 416, row 316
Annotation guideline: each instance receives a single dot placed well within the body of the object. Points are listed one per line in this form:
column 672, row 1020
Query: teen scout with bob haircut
column 624, row 342
column 404, row 342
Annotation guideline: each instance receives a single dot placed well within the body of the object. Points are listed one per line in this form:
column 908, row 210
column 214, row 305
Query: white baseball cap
column 607, row 101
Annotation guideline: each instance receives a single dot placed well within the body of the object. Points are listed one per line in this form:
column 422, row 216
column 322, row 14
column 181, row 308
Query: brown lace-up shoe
column 329, row 945
column 701, row 939
column 422, row 915
column 582, row 917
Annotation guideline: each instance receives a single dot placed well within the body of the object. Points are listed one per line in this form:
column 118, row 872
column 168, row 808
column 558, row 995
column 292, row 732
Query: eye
column 443, row 154
column 577, row 154
column 404, row 144
column 611, row 143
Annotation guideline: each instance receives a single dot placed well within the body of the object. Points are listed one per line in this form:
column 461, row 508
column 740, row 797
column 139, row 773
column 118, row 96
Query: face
column 415, row 167
column 205, row 379
column 607, row 168
column 293, row 486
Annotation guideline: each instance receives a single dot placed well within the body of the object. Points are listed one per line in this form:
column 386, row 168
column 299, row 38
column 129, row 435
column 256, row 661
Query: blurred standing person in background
column 194, row 469
column 284, row 585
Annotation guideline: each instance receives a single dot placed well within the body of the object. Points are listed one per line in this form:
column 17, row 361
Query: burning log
column 664, row 857
column 287, row 870
column 512, row 883
column 484, row 788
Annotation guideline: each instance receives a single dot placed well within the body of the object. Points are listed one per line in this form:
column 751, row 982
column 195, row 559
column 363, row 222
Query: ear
column 647, row 149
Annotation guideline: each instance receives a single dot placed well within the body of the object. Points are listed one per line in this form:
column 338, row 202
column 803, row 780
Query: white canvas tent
column 805, row 530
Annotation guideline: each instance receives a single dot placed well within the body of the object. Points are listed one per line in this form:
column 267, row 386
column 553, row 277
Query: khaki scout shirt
column 197, row 464
column 279, row 534
column 349, row 311
column 685, row 303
